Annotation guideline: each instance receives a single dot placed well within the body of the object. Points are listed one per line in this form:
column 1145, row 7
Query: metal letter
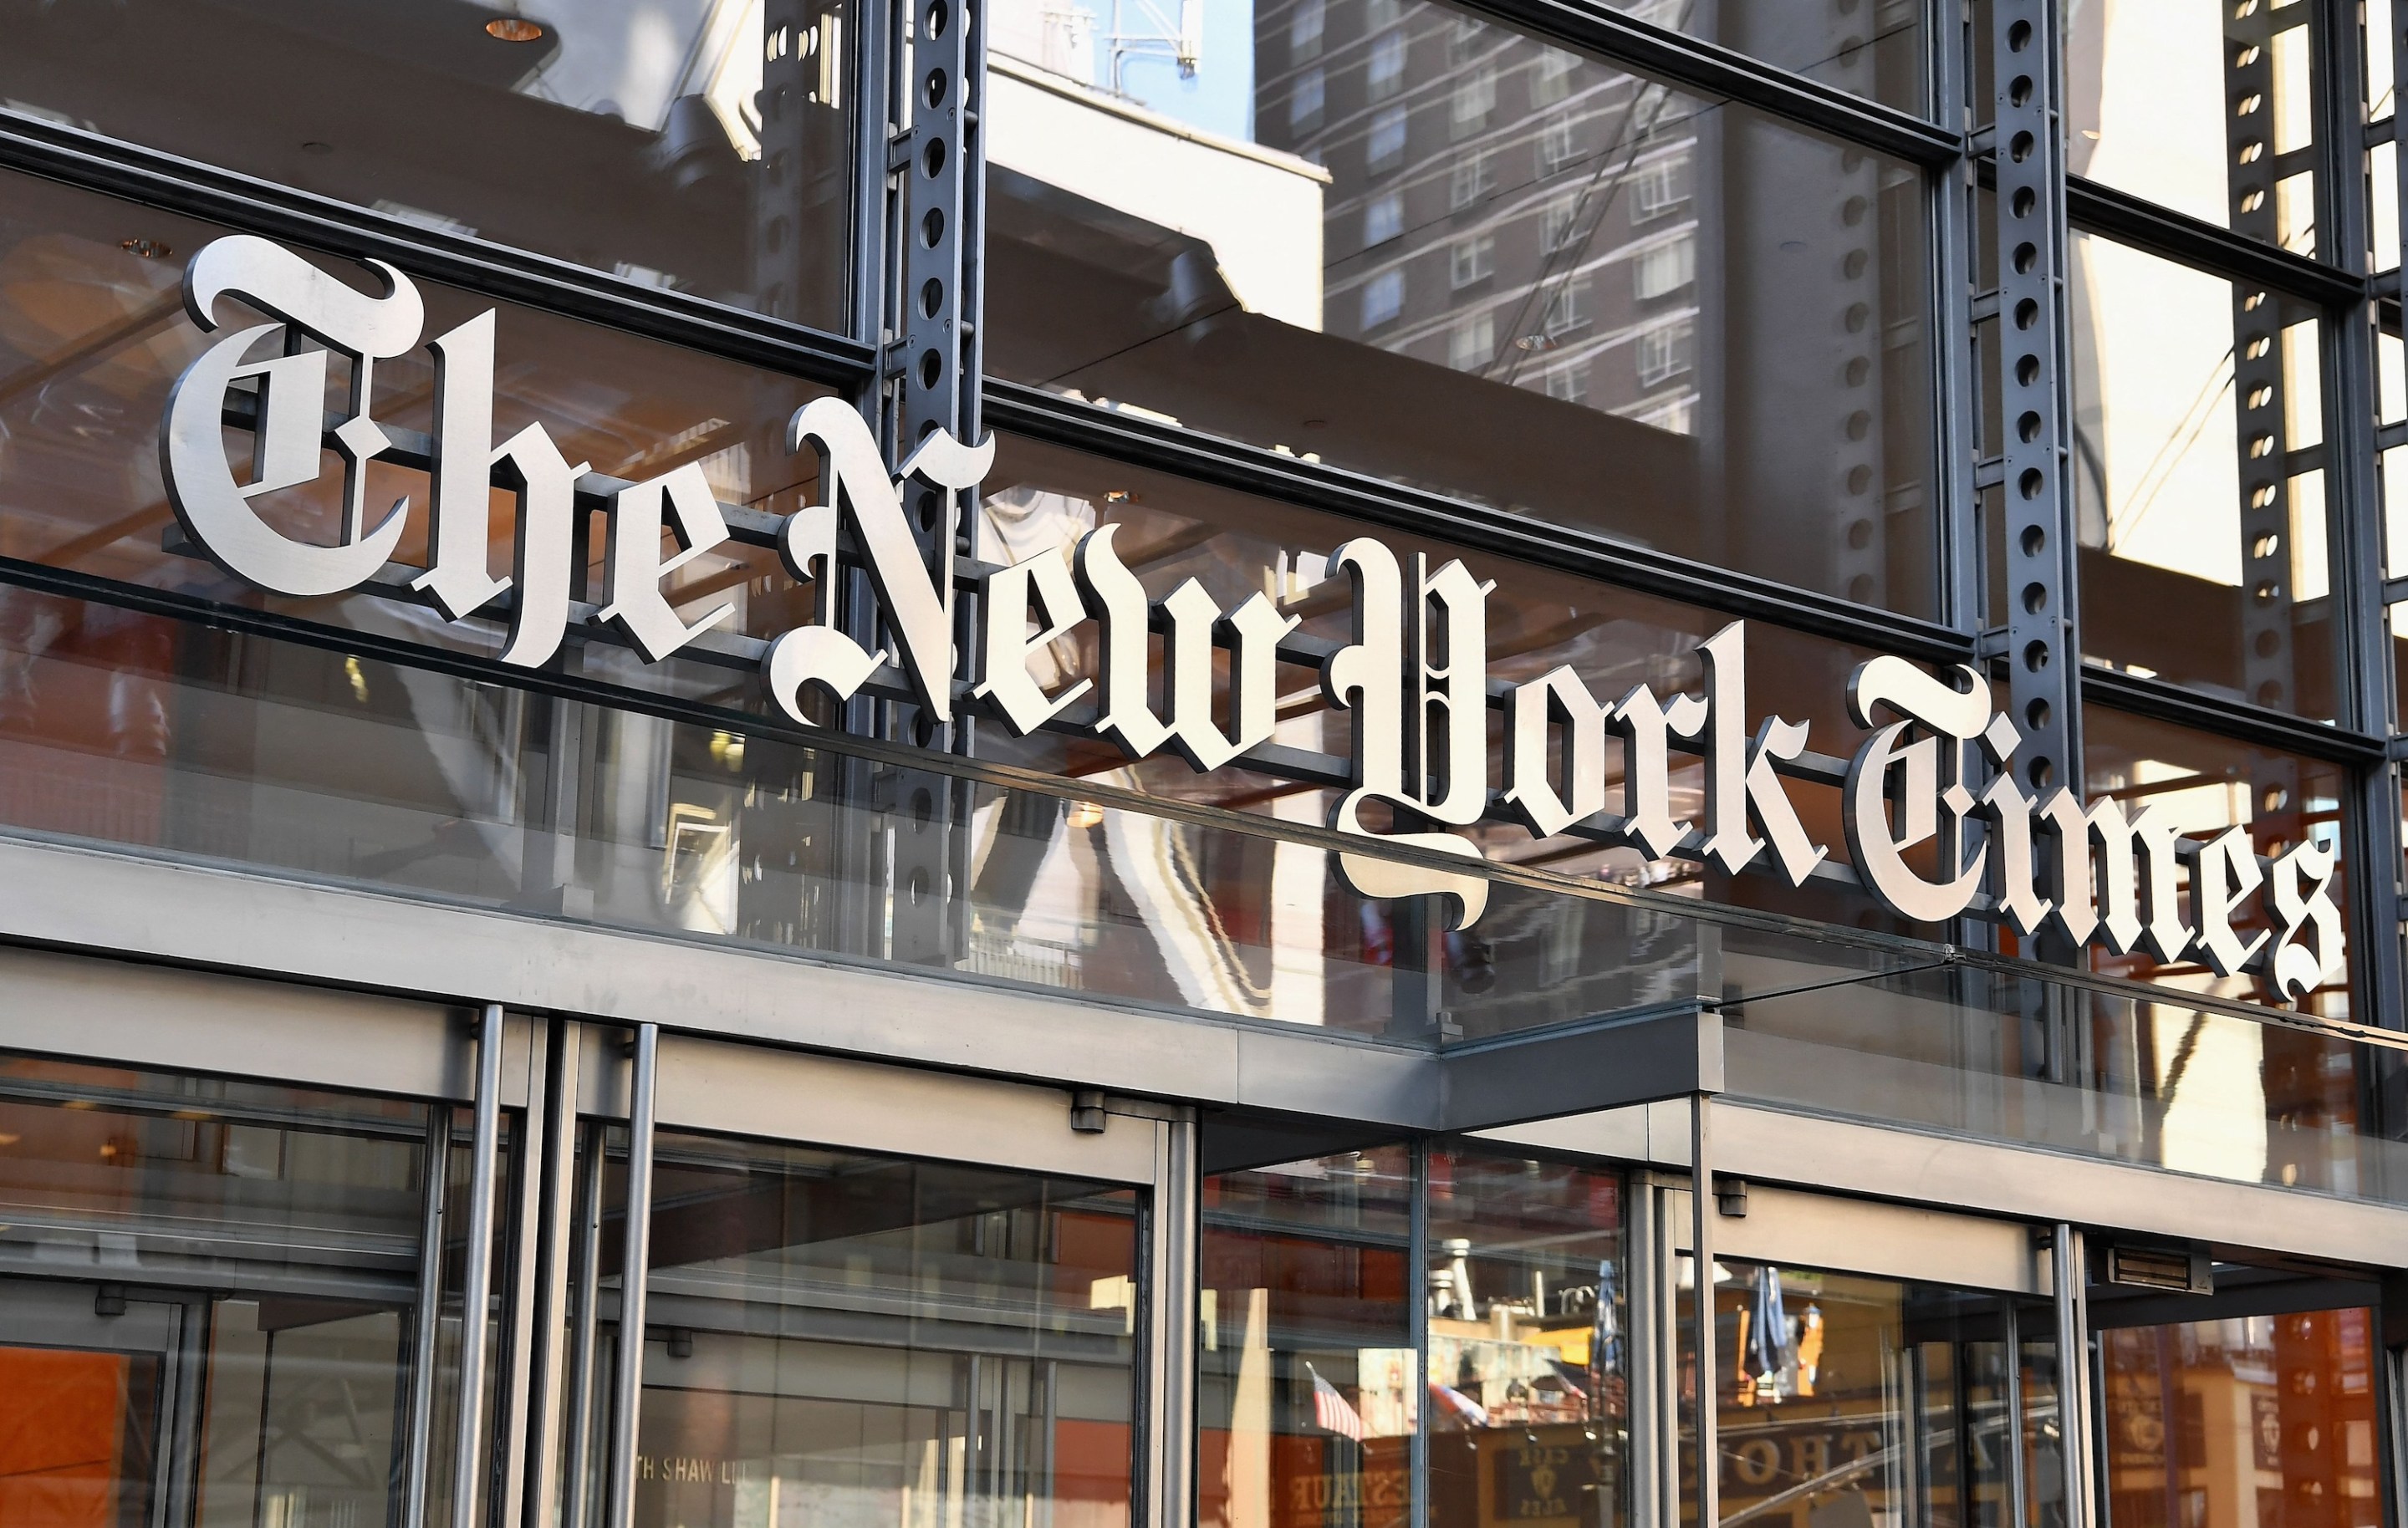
column 216, row 511
column 632, row 586
column 2143, row 843
column 545, row 485
column 1874, row 844
column 1530, row 792
column 1447, row 770
column 1041, row 582
column 1647, row 728
column 461, row 530
column 2223, row 874
column 1739, row 777
column 2301, row 893
column 1127, row 719
column 1255, row 629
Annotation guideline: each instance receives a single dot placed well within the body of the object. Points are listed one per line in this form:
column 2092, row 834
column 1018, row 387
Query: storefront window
column 697, row 147
column 208, row 1295
column 2265, row 1415
column 1844, row 1399
column 2201, row 513
column 832, row 1336
column 1422, row 245
column 1307, row 1396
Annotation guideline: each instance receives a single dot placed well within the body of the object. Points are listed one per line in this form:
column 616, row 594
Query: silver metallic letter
column 1647, row 728
column 1447, row 765
column 1255, row 629
column 2142, row 844
column 1739, row 777
column 1877, row 848
column 1530, row 792
column 2223, row 874
column 215, row 511
column 2300, row 895
column 1038, row 582
column 1127, row 719
column 632, row 586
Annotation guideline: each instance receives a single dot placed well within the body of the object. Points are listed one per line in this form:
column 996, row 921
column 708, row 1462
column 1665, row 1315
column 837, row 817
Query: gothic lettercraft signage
column 1413, row 676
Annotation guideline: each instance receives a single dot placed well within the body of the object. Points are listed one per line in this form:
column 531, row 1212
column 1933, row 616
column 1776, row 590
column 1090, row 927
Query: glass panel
column 2212, row 121
column 2239, row 1418
column 1308, row 1390
column 1872, row 48
column 1427, row 248
column 2207, row 784
column 1843, row 1398
column 209, row 1282
column 2203, row 555
column 701, row 147
column 837, row 1338
column 1530, row 1399
column 92, row 335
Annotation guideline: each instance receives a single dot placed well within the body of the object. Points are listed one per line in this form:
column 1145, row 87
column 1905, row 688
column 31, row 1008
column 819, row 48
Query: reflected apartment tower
column 1519, row 212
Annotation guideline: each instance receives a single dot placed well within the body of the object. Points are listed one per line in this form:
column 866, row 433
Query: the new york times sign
column 1413, row 676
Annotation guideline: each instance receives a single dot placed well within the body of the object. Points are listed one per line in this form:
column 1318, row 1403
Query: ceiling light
column 513, row 29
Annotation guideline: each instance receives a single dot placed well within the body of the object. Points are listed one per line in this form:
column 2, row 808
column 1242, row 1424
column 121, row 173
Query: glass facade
column 1298, row 764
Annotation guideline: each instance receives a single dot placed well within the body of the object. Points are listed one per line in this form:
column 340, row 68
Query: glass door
column 927, row 1312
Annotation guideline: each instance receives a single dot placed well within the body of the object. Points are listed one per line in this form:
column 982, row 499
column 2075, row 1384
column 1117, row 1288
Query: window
column 1557, row 221
column 1666, row 351
column 1383, row 298
column 1378, row 14
column 1304, row 31
column 1472, row 176
column 1567, row 307
column 1659, row 186
column 1474, row 100
column 1569, row 382
column 1384, row 147
column 1551, row 79
column 1655, row 110
column 1665, row 267
column 1383, row 218
column 1472, row 343
column 1557, row 147
column 1304, row 104
column 1463, row 43
column 1386, row 75
column 1472, row 260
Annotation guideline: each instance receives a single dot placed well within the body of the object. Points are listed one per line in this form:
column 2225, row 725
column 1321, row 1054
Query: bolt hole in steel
column 2037, row 713
column 2026, row 256
column 2035, row 540
column 2042, row 773
column 1860, row 424
column 932, row 227
column 932, row 368
column 2268, row 644
column 2031, row 483
column 930, row 507
column 1854, row 266
column 2036, row 656
column 918, row 886
column 923, row 807
column 2270, row 693
column 1858, row 369
column 1860, row 478
column 2019, row 93
column 939, row 17
column 2027, row 427
column 933, row 88
column 2027, row 370
column 2019, row 148
column 2024, row 201
column 2018, row 36
column 2035, row 598
column 2026, row 313
column 932, row 298
column 2276, row 798
column 1853, row 211
column 1860, row 534
column 932, row 162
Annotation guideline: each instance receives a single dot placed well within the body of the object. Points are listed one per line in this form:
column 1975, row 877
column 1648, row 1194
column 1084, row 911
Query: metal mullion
column 1957, row 416
column 1417, row 1332
column 1171, row 448
column 552, row 1211
column 635, row 1265
column 2165, row 700
column 90, row 162
column 2131, row 219
column 1702, row 1260
column 521, row 1309
column 476, row 1281
column 2069, row 1273
column 1681, row 60
column 2017, row 1508
column 1165, row 1467
column 426, row 1322
column 576, row 1495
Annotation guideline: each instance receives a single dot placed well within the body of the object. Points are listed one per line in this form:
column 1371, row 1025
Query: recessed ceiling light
column 148, row 248
column 513, row 29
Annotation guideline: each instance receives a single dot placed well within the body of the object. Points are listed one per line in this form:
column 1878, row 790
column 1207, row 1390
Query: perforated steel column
column 2038, row 638
column 936, row 180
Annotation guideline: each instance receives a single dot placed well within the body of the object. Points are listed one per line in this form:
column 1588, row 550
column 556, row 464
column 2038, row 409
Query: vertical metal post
column 577, row 1463
column 477, row 1276
column 1702, row 1250
column 1645, row 1350
column 2012, row 1450
column 2039, row 639
column 1166, row 1468
column 426, row 1328
column 545, row 1307
column 1417, row 1244
column 2069, row 1274
column 635, row 1266
column 523, row 1228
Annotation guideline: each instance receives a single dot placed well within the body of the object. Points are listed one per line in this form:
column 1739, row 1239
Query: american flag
column 1330, row 1411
